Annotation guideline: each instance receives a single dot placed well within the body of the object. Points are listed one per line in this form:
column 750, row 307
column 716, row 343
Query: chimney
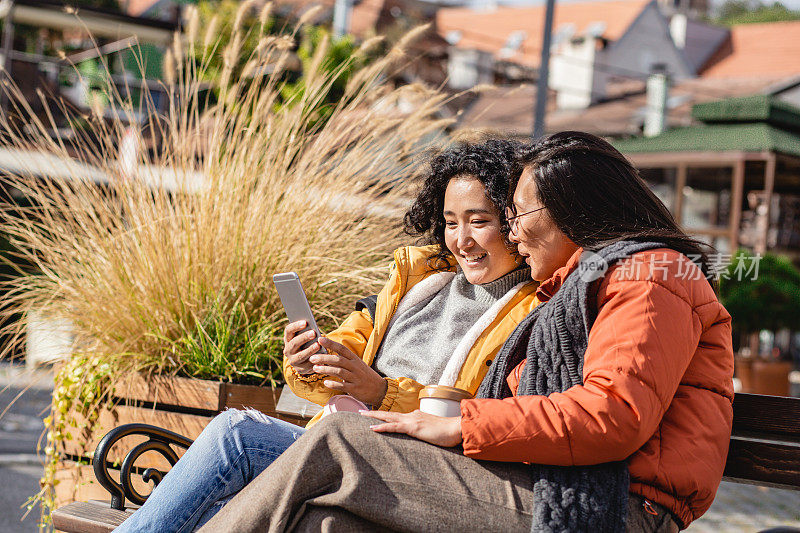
column 655, row 114
column 677, row 29
column 342, row 10
column 574, row 77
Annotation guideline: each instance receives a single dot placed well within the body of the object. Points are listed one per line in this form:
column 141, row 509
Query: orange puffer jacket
column 657, row 388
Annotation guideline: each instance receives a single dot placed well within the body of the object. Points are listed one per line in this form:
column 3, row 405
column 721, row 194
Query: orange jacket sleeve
column 640, row 346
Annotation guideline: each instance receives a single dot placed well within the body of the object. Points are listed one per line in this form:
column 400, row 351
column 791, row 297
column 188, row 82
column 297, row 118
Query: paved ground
column 20, row 429
column 747, row 508
column 18, row 483
column 737, row 508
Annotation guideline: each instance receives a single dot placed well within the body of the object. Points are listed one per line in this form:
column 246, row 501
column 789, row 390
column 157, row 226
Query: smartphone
column 295, row 303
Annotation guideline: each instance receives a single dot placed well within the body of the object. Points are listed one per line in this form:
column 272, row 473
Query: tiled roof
column 488, row 30
column 510, row 110
column 756, row 108
column 755, row 137
column 365, row 15
column 751, row 123
column 757, row 50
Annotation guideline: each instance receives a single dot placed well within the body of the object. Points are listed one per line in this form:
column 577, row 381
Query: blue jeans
column 232, row 450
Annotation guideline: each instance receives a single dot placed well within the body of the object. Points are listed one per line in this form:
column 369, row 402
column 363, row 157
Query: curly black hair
column 493, row 162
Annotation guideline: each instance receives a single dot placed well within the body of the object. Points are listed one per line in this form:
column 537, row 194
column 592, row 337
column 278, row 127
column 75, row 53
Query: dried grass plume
column 139, row 252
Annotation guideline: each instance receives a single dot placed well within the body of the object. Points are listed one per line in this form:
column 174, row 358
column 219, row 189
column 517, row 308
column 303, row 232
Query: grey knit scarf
column 552, row 340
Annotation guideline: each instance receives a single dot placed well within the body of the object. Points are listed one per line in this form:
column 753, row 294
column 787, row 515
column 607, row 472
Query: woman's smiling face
column 472, row 232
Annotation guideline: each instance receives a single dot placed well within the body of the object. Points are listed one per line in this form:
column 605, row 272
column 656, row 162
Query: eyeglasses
column 512, row 217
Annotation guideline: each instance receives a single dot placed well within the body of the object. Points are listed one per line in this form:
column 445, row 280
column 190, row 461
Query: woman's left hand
column 438, row 430
column 358, row 379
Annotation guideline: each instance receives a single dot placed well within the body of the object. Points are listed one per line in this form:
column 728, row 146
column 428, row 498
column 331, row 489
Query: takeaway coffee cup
column 442, row 400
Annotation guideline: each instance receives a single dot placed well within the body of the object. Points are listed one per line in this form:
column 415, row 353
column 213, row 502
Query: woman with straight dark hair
column 596, row 197
column 444, row 312
column 609, row 408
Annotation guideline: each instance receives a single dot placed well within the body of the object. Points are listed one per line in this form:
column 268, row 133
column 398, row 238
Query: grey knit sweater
column 422, row 338
column 552, row 340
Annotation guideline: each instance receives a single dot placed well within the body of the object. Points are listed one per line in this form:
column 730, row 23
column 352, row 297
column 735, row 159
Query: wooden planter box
column 182, row 405
column 771, row 377
column 759, row 376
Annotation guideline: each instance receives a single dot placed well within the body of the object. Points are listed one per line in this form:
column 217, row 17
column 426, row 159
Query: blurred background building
column 702, row 96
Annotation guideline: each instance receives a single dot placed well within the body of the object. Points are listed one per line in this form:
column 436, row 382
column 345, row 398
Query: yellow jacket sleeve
column 353, row 333
column 402, row 395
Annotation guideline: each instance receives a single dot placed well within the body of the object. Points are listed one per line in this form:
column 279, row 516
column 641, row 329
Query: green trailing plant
column 163, row 263
column 83, row 388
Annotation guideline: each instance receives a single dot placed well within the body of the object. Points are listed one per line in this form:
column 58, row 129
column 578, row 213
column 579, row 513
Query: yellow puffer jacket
column 359, row 334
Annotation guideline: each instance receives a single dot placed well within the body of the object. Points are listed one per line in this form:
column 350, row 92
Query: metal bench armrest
column 159, row 440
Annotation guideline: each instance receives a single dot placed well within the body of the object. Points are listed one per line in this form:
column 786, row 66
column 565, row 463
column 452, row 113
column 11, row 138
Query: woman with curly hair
column 440, row 319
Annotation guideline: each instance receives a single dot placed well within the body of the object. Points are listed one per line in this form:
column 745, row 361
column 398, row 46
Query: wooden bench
column 764, row 450
column 100, row 516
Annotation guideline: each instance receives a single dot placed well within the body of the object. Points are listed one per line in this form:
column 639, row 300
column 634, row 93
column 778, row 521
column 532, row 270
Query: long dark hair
column 493, row 162
column 596, row 197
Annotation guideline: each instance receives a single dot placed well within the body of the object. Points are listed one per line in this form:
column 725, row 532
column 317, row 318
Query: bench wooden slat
column 88, row 517
column 763, row 463
column 766, row 415
column 765, row 445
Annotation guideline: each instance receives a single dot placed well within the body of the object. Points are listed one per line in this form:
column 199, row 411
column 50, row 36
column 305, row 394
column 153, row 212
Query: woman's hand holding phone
column 293, row 342
column 358, row 379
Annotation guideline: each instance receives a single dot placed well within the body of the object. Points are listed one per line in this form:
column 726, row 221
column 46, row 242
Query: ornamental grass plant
column 163, row 262
column 140, row 257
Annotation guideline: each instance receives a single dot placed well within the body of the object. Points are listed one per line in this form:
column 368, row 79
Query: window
column 662, row 182
column 706, row 199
